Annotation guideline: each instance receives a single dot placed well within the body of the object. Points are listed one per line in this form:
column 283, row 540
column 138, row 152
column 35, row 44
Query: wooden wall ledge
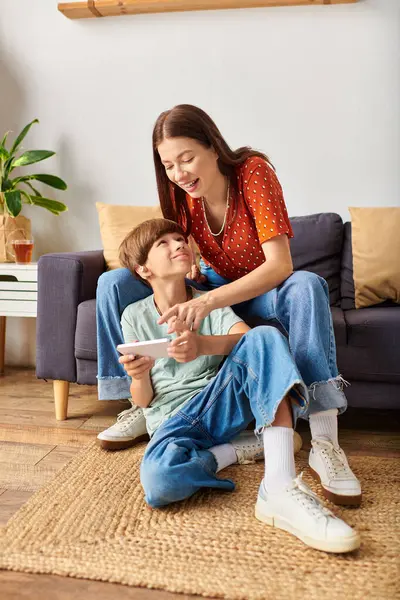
column 115, row 8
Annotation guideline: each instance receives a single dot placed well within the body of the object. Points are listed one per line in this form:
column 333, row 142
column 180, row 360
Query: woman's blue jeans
column 299, row 307
column 253, row 380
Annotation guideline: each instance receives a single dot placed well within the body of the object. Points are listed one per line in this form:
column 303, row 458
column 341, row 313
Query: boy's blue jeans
column 254, row 379
column 300, row 307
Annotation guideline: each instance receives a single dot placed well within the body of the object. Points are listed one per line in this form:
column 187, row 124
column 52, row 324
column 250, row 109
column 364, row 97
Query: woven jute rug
column 91, row 522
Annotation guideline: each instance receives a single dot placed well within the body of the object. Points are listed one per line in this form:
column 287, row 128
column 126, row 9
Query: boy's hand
column 136, row 366
column 185, row 347
column 177, row 326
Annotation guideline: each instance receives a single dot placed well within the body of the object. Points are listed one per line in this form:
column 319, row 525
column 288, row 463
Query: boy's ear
column 143, row 271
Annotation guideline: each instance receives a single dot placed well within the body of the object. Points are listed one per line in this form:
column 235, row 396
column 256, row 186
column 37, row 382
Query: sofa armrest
column 64, row 281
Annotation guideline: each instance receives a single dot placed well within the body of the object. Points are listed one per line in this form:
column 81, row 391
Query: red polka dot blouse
column 256, row 214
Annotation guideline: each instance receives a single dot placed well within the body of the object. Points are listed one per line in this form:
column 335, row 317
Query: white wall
column 317, row 88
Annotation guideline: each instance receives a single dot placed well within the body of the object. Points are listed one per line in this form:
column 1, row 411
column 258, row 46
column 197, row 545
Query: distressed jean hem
column 113, row 388
column 325, row 395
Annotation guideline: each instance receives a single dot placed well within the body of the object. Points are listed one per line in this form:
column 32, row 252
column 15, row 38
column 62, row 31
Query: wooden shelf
column 115, row 8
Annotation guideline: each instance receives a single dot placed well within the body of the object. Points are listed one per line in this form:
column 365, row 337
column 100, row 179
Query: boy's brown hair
column 135, row 248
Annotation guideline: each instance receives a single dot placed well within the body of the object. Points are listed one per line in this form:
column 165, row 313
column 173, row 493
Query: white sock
column 324, row 425
column 280, row 469
column 225, row 455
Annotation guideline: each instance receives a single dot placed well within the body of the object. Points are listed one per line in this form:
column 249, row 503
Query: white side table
column 18, row 297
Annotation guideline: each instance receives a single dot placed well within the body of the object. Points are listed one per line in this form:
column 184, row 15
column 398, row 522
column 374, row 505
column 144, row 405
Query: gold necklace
column 226, row 213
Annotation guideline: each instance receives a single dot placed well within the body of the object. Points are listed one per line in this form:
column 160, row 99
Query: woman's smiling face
column 189, row 164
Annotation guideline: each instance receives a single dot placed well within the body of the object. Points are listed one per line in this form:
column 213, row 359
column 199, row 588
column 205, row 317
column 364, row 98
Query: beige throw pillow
column 116, row 222
column 376, row 255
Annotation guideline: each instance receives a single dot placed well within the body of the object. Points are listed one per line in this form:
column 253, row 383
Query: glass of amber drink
column 23, row 251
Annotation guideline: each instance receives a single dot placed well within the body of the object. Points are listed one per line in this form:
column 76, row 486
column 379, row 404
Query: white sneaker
column 249, row 448
column 300, row 512
column 130, row 429
column 329, row 466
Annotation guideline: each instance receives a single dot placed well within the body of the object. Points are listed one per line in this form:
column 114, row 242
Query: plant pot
column 12, row 228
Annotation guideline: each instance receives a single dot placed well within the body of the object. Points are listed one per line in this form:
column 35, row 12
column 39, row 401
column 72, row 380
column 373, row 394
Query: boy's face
column 169, row 257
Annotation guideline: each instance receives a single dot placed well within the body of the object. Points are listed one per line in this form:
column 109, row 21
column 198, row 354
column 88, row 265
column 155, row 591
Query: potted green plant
column 16, row 191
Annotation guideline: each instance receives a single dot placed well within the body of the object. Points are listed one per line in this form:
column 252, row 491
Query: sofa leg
column 61, row 390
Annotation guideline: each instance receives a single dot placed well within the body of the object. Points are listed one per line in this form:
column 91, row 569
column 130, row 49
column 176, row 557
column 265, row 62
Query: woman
column 231, row 203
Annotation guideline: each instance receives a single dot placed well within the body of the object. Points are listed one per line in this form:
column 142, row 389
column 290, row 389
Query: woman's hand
column 136, row 366
column 196, row 275
column 190, row 314
column 185, row 347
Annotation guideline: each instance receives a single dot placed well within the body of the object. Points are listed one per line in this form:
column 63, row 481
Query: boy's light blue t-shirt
column 174, row 383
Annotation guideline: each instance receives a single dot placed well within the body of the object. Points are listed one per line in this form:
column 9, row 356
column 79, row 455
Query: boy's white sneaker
column 130, row 429
column 329, row 466
column 249, row 448
column 300, row 512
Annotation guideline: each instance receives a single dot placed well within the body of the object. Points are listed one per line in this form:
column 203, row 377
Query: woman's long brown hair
column 189, row 121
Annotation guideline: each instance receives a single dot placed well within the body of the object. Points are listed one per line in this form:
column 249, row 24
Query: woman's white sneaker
column 299, row 511
column 130, row 429
column 329, row 466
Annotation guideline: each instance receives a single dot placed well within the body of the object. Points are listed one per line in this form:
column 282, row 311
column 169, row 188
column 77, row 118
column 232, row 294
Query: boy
column 196, row 405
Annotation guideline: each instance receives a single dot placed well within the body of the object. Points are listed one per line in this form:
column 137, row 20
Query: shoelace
column 129, row 415
column 335, row 460
column 248, row 452
column 308, row 499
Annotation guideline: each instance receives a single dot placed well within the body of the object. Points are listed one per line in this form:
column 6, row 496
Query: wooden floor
column 34, row 446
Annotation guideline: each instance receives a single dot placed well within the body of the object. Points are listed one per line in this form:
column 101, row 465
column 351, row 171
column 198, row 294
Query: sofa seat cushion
column 372, row 352
column 373, row 327
column 85, row 333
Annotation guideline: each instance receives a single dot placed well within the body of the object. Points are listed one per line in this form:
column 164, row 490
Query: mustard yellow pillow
column 116, row 222
column 376, row 255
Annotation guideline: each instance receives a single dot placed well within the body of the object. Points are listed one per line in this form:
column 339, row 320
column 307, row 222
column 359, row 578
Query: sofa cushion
column 373, row 395
column 85, row 333
column 372, row 352
column 317, row 247
column 116, row 221
column 373, row 327
column 347, row 280
column 376, row 252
